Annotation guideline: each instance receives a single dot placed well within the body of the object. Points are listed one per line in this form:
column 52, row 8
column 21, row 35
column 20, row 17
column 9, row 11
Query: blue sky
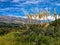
column 21, row 7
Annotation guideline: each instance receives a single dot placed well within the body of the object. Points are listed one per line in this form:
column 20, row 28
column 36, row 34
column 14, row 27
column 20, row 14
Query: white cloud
column 3, row 0
column 58, row 4
column 47, row 8
column 18, row 0
column 9, row 8
column 15, row 1
column 16, row 16
column 33, row 1
column 24, row 11
column 37, row 9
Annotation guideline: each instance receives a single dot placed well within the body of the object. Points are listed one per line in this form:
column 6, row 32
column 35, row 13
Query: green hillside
column 33, row 34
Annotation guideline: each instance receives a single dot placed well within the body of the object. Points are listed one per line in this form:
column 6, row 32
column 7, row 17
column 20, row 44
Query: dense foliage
column 32, row 34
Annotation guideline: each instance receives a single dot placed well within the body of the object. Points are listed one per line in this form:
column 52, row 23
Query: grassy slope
column 35, row 35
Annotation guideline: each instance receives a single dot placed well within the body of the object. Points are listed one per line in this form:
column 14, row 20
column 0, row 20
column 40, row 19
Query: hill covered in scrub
column 16, row 20
column 32, row 34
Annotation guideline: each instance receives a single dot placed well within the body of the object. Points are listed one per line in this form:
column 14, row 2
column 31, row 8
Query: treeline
column 8, row 27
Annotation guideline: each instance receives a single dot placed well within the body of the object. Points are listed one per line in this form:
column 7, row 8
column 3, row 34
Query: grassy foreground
column 31, row 35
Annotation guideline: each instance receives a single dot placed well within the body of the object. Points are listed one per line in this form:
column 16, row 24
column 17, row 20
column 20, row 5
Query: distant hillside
column 12, row 19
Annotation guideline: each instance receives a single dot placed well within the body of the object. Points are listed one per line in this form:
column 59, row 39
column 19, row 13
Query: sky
column 23, row 7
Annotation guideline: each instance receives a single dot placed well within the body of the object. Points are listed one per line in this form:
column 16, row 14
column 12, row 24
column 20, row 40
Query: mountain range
column 13, row 19
column 19, row 20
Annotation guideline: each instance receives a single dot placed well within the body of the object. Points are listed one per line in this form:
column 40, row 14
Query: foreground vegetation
column 34, row 34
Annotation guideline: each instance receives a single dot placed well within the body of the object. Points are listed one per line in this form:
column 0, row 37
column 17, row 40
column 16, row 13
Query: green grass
column 34, row 35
